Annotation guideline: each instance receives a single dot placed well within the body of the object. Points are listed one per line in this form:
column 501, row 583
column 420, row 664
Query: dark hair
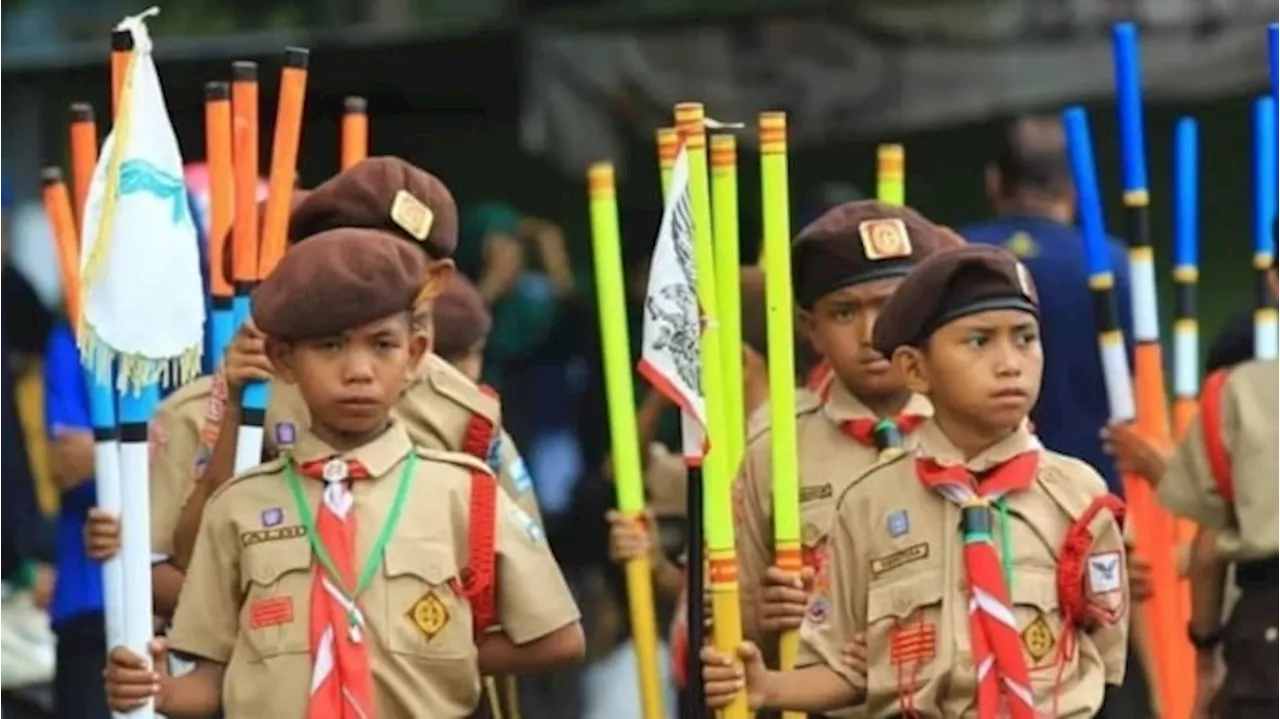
column 1032, row 156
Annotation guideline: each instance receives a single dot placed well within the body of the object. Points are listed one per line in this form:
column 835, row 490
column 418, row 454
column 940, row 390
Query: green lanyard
column 379, row 546
column 1006, row 543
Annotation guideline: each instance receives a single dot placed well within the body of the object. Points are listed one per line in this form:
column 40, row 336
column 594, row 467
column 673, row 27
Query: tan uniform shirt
column 829, row 461
column 436, row 410
column 183, row 430
column 897, row 573
column 252, row 555
column 1247, row 528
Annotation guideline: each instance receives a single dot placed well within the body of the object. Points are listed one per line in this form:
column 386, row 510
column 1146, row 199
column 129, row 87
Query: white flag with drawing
column 670, row 355
column 139, row 253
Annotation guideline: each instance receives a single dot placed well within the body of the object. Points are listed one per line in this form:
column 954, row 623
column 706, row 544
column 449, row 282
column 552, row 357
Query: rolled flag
column 670, row 357
column 142, row 323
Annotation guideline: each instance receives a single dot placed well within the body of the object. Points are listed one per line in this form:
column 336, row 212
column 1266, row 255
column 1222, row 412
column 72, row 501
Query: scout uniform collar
column 377, row 456
column 932, row 443
column 841, row 406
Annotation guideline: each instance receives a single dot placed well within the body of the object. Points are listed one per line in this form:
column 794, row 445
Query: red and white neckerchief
column 341, row 676
column 869, row 431
column 1003, row 677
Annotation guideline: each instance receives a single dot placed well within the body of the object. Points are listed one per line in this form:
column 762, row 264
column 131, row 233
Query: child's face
column 351, row 381
column 982, row 370
column 840, row 325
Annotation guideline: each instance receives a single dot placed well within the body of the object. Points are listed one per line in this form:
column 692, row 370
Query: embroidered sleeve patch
column 913, row 642
column 1105, row 573
column 429, row 614
column 270, row 612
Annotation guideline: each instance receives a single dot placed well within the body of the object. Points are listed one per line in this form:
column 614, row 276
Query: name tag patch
column 897, row 560
column 270, row 612
column 275, row 534
column 429, row 614
column 1105, row 574
column 813, row 494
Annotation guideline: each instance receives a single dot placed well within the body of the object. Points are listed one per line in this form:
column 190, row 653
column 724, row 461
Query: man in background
column 1029, row 187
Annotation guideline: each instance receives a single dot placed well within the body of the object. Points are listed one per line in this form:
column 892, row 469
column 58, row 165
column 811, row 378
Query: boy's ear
column 281, row 356
column 438, row 276
column 909, row 362
column 419, row 345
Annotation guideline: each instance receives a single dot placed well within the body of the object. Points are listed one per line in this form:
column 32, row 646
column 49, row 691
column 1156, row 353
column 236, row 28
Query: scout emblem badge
column 884, row 239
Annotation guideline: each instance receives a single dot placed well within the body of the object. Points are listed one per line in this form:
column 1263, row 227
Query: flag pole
column 891, row 178
column 615, row 345
column 722, row 567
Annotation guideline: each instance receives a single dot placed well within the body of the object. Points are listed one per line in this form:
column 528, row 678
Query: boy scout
column 440, row 409
column 954, row 626
column 1223, row 477
column 460, row 327
column 406, row 636
column 845, row 265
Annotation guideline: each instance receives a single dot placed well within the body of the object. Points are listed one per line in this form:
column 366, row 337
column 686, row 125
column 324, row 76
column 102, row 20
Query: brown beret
column 383, row 193
column 460, row 318
column 338, row 280
column 949, row 285
column 949, row 239
column 858, row 242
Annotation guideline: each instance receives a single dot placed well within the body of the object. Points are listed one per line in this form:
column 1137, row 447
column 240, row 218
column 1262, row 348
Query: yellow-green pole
column 782, row 383
column 724, row 222
column 668, row 150
column 891, row 178
column 607, row 246
column 722, row 564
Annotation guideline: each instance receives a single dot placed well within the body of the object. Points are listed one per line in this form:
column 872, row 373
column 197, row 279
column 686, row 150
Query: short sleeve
column 1187, row 488
column 513, row 475
column 207, row 619
column 1107, row 594
column 533, row 599
column 753, row 531
column 176, row 453
column 837, row 611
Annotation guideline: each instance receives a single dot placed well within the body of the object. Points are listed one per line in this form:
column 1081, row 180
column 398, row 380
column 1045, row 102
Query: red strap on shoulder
column 479, row 583
column 1211, row 428
column 480, row 429
column 1071, row 558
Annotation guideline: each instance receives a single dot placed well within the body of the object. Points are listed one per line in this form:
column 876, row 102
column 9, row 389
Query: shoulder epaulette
column 880, row 465
column 461, row 459
column 806, row 404
column 448, row 382
column 268, row 468
column 1073, row 492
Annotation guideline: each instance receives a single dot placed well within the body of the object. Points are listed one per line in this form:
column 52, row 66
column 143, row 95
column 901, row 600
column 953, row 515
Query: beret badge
column 411, row 215
column 884, row 239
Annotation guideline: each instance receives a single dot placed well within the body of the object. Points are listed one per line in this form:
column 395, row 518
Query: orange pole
column 217, row 128
column 57, row 207
column 244, row 138
column 121, row 49
column 284, row 158
column 355, row 130
column 84, row 154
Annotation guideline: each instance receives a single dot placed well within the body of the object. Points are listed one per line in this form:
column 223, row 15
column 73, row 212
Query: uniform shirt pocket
column 277, row 586
column 425, row 614
column 1040, row 627
column 903, row 633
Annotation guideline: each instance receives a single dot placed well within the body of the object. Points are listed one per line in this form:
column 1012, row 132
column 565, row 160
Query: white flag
column 670, row 355
column 140, row 262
